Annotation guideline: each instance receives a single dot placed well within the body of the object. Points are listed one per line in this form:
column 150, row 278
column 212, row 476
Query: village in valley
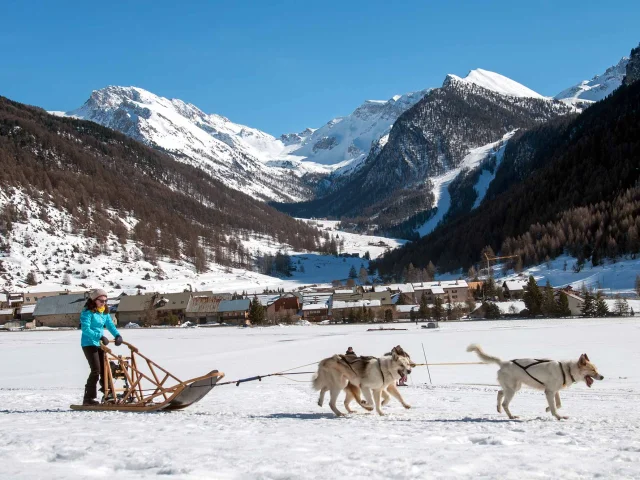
column 424, row 301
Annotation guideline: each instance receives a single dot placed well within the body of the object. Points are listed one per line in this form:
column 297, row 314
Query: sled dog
column 548, row 375
column 353, row 391
column 370, row 374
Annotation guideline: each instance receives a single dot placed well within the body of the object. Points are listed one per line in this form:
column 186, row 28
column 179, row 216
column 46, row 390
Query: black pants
column 95, row 357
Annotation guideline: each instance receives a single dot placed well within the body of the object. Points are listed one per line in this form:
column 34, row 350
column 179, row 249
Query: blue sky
column 285, row 65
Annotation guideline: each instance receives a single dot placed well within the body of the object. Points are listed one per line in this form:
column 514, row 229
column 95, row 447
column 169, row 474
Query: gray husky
column 548, row 375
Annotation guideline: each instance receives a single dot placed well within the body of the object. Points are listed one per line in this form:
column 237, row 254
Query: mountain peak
column 597, row 88
column 494, row 82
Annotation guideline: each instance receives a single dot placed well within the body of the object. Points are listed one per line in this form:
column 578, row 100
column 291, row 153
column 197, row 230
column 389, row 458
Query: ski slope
column 275, row 430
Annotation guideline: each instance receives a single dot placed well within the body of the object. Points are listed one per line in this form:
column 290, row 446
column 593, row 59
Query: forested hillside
column 108, row 183
column 565, row 186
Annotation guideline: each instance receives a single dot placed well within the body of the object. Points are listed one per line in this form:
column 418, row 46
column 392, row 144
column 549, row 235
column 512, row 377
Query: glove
column 104, row 340
column 118, row 341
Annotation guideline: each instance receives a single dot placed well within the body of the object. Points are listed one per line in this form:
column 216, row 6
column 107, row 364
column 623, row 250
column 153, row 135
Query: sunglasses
column 100, row 300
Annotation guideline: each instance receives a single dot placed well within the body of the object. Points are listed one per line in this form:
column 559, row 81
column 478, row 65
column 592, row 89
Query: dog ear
column 582, row 360
column 586, row 357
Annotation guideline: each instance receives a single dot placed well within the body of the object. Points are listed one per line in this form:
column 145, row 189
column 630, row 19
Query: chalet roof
column 338, row 304
column 437, row 290
column 514, row 285
column 61, row 305
column 27, row 308
column 134, row 303
column 440, row 283
column 315, row 306
column 287, row 303
column 234, row 305
column 173, row 301
column 204, row 304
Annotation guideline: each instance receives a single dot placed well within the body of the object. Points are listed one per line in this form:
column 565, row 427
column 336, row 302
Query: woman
column 93, row 319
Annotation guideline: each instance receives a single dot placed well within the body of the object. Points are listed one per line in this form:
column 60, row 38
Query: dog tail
column 483, row 356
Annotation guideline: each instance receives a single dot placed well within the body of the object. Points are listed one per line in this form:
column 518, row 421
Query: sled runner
column 147, row 387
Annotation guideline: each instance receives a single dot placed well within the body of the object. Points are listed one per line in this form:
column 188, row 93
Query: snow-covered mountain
column 344, row 142
column 247, row 159
column 236, row 154
column 496, row 83
column 427, row 142
column 588, row 91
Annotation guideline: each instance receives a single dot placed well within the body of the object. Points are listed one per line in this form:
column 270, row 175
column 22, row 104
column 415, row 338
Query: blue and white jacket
column 92, row 325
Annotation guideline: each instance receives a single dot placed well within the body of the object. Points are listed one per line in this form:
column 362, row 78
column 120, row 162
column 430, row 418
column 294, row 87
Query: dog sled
column 135, row 383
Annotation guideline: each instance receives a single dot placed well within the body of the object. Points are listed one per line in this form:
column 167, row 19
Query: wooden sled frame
column 146, row 392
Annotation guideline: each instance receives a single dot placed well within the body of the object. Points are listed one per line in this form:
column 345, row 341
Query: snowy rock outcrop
column 589, row 91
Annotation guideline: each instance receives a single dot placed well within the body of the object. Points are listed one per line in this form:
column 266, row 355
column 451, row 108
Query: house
column 137, row 309
column 6, row 315
column 14, row 299
column 404, row 311
column 171, row 308
column 154, row 309
column 385, row 298
column 316, row 312
column 341, row 310
column 4, row 303
column 575, row 303
column 476, row 288
column 286, row 306
column 31, row 298
column 514, row 289
column 26, row 312
column 347, row 294
column 204, row 309
column 455, row 290
column 234, row 311
column 59, row 311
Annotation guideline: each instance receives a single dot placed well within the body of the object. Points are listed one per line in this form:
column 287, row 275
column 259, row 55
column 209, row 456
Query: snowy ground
column 274, row 430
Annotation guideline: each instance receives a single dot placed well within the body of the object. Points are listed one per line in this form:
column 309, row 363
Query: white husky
column 548, row 375
column 369, row 373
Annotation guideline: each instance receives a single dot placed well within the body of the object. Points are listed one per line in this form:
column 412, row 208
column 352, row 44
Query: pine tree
column 549, row 302
column 638, row 285
column 412, row 316
column 533, row 297
column 31, row 278
column 602, row 309
column 66, row 279
column 256, row 312
column 589, row 307
column 423, row 311
column 563, row 305
column 491, row 310
column 438, row 309
column 352, row 272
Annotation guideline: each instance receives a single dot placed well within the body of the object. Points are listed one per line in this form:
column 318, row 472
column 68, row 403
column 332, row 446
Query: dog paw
column 560, row 417
column 406, row 405
column 547, row 409
column 513, row 417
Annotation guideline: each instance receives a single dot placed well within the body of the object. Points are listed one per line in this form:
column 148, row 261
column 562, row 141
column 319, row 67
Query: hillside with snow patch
column 45, row 242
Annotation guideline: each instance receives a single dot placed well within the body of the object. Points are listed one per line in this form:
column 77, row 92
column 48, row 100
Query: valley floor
column 274, row 430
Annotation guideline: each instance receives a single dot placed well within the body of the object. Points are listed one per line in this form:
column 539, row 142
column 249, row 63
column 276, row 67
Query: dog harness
column 538, row 362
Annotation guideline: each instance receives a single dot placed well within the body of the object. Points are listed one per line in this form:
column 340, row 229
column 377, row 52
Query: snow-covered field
column 274, row 430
